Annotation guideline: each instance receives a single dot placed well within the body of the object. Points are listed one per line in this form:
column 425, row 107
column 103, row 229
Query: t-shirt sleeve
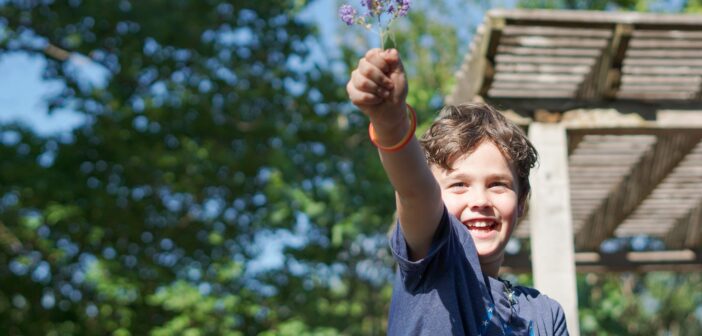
column 412, row 272
column 559, row 320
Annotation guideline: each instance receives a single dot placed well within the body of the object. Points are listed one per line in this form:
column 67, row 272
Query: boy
column 458, row 195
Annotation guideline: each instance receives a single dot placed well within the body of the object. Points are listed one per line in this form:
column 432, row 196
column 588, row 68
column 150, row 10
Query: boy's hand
column 378, row 88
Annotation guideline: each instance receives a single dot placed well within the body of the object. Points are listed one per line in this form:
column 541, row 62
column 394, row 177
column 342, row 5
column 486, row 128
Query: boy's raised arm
column 378, row 87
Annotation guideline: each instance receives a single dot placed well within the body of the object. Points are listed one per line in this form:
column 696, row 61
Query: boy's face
column 481, row 191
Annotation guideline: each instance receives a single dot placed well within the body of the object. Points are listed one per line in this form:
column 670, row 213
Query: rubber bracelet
column 405, row 140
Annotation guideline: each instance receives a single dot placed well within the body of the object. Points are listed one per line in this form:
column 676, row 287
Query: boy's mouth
column 481, row 224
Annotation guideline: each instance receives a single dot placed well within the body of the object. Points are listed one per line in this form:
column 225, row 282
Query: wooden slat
column 665, row 43
column 674, row 62
column 539, row 78
column 656, row 96
column 534, row 86
column 545, row 60
column 596, row 18
column 653, row 166
column 688, row 88
column 544, row 68
column 554, row 42
column 687, row 231
column 527, row 94
column 604, row 80
column 556, row 31
column 689, row 260
column 661, row 79
column 670, row 70
column 511, row 50
column 668, row 34
column 469, row 77
column 664, row 53
column 495, row 25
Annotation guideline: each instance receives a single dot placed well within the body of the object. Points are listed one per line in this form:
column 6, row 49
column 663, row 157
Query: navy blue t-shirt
column 445, row 293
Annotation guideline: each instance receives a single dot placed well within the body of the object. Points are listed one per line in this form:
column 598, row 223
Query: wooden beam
column 598, row 19
column 694, row 131
column 603, row 81
column 686, row 260
column 495, row 25
column 653, row 166
column 526, row 106
column 687, row 231
column 550, row 221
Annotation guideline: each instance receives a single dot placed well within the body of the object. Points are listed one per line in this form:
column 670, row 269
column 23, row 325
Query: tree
column 207, row 132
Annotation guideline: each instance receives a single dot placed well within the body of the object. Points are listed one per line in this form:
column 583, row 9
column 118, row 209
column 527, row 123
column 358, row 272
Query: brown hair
column 459, row 129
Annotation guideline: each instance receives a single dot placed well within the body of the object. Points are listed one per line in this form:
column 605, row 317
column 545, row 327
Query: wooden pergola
column 613, row 103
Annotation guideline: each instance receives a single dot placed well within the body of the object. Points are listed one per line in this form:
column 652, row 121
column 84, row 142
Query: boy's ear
column 521, row 209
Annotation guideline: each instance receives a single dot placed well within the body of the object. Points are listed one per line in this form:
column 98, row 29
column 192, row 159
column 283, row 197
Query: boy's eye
column 457, row 185
column 499, row 185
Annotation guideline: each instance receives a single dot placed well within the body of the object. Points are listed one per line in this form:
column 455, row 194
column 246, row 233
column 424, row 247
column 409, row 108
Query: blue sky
column 23, row 91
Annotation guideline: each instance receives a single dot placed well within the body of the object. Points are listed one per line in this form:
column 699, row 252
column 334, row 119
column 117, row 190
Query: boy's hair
column 459, row 129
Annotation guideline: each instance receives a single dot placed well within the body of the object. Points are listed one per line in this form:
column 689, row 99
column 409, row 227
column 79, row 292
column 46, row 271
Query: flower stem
column 381, row 33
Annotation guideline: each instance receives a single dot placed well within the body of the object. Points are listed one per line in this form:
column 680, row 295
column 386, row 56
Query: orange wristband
column 405, row 140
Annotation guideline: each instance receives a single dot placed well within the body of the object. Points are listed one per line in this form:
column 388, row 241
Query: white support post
column 552, row 253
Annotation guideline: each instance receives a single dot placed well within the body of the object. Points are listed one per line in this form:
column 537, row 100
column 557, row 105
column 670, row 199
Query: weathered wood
column 665, row 43
column 495, row 25
column 542, row 78
column 545, row 68
column 668, row 34
column 526, row 106
column 656, row 96
column 653, row 166
column 555, row 31
column 588, row 262
column 687, row 231
column 669, row 70
column 545, row 60
column 664, row 53
column 469, row 75
column 534, row 86
column 554, row 42
column 526, row 94
column 588, row 19
column 606, row 76
column 672, row 80
column 503, row 49
column 673, row 62
column 550, row 220
column 664, row 88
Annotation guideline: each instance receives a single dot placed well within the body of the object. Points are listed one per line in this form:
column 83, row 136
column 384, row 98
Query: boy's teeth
column 481, row 224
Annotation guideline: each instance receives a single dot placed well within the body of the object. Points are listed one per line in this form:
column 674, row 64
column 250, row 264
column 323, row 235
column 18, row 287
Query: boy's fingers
column 377, row 58
column 364, row 84
column 392, row 58
column 372, row 72
column 360, row 98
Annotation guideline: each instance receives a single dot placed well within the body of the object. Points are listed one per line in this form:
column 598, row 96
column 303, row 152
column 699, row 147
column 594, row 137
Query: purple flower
column 367, row 3
column 403, row 7
column 347, row 14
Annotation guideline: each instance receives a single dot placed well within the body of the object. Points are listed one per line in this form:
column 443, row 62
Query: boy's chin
column 489, row 254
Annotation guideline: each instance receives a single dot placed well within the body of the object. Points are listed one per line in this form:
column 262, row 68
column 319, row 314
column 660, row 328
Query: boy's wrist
column 388, row 133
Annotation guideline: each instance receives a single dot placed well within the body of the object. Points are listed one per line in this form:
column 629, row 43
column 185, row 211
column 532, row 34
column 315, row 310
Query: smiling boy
column 459, row 193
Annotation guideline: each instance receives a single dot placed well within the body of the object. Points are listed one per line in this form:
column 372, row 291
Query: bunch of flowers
column 378, row 12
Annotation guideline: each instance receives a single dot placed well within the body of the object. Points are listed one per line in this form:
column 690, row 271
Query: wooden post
column 550, row 219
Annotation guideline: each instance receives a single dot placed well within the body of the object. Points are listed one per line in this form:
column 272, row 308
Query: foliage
column 638, row 304
column 213, row 132
column 213, row 128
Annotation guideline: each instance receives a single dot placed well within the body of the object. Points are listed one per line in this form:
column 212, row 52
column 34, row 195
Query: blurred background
column 194, row 167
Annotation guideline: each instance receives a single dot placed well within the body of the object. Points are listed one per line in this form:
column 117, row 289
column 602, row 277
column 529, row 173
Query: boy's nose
column 478, row 199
